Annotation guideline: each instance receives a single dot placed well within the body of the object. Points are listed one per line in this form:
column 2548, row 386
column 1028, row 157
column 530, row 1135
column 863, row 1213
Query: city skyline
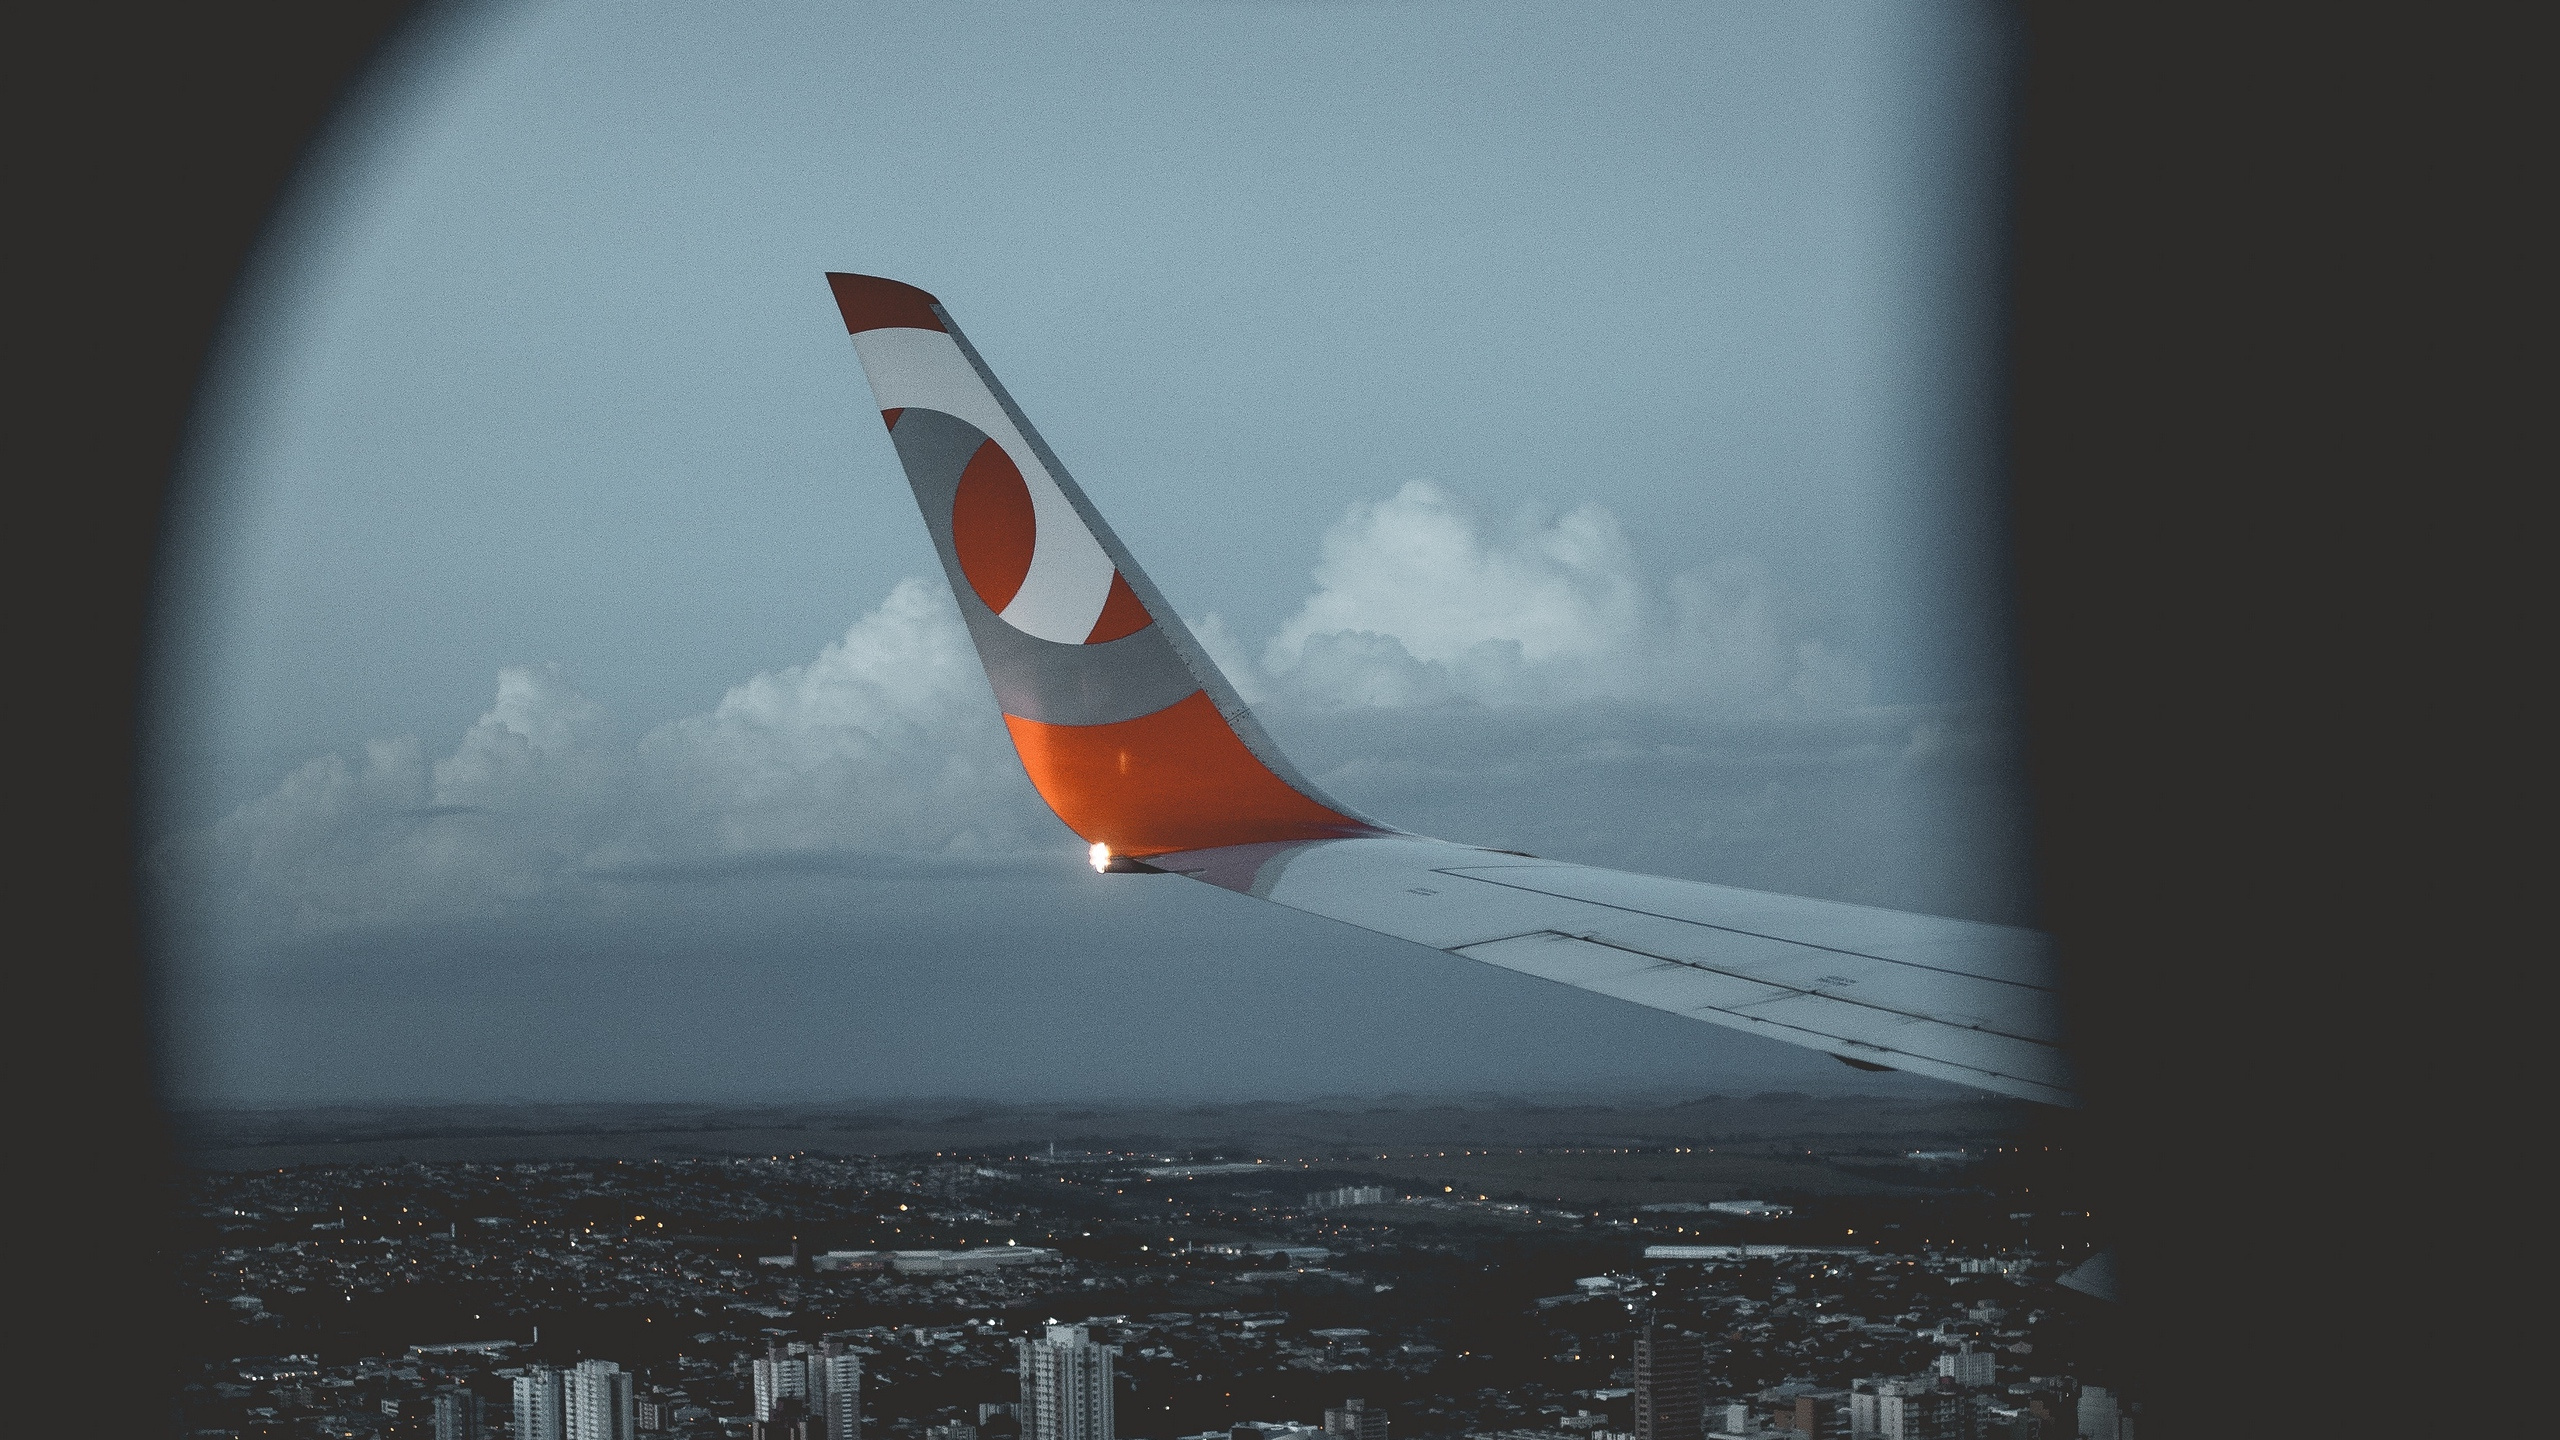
column 1896, row 1283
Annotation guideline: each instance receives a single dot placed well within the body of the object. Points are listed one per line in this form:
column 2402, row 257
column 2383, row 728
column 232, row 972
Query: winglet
column 1120, row 718
column 871, row 303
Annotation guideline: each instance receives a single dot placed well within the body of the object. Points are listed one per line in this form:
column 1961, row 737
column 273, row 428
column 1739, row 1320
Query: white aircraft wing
column 1131, row 735
column 1960, row 1001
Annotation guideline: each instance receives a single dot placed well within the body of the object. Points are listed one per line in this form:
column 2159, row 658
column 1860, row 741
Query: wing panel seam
column 1749, row 1020
column 1795, row 990
column 1735, row 930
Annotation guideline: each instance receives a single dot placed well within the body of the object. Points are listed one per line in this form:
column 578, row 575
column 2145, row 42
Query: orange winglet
column 1178, row 779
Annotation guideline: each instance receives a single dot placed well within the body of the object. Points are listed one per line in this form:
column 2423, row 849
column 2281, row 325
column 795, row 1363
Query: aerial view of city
column 1392, row 804
column 1396, row 1268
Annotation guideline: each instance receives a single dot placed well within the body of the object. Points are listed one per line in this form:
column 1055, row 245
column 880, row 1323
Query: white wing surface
column 1970, row 1003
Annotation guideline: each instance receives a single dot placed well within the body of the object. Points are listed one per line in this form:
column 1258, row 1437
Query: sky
column 1580, row 438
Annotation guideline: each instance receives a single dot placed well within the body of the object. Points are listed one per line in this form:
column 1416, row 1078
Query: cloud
column 1523, row 681
column 1232, row 656
column 1419, row 604
column 887, row 742
column 884, row 745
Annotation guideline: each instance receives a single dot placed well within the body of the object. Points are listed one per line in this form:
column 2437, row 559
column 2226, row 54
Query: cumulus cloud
column 1417, row 602
column 885, row 745
column 887, row 742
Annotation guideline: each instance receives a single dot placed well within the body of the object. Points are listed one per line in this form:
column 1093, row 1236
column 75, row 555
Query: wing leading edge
column 1142, row 748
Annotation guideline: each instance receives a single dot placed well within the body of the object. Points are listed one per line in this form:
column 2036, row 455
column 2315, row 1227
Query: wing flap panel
column 1901, row 1042
column 1967, row 947
column 1850, row 978
column 1979, row 1051
column 1661, row 984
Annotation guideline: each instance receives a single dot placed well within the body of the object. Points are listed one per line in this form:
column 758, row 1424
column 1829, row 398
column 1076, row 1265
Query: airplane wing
column 1140, row 745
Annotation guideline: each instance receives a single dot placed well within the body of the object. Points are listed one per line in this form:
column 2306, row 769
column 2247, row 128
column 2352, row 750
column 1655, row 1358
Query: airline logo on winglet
column 1024, row 549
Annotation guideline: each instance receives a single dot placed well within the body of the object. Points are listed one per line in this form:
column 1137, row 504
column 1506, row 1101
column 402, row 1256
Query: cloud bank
column 885, row 744
column 1527, row 682
column 1419, row 603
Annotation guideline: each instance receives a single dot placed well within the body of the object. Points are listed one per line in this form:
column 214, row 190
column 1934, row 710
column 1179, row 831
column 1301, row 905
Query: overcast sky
column 1575, row 437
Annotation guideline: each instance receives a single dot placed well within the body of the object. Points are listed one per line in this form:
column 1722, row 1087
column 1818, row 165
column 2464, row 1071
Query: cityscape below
column 1780, row 1266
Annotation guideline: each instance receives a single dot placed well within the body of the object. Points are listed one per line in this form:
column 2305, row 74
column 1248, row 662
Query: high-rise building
column 835, row 1390
column 538, row 1405
column 825, row 1383
column 1809, row 1416
column 1355, row 1421
column 1670, row 1376
column 1066, row 1386
column 1906, row 1410
column 1971, row 1367
column 461, row 1415
column 781, row 1375
column 790, row 1420
column 596, row 1402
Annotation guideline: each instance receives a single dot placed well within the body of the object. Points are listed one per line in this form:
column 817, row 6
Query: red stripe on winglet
column 889, row 417
column 993, row 527
column 871, row 303
column 1121, row 613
